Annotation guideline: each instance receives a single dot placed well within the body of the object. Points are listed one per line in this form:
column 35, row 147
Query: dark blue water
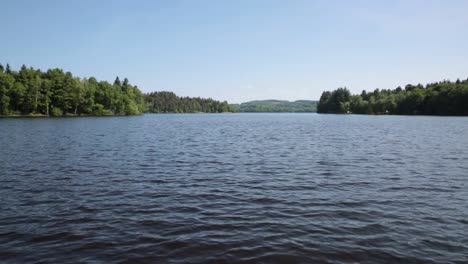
column 234, row 188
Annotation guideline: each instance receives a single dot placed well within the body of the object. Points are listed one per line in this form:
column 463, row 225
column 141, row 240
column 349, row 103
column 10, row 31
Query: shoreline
column 66, row 116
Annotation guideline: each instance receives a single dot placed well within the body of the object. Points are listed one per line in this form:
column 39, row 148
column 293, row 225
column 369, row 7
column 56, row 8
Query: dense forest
column 33, row 92
column 30, row 91
column 440, row 98
column 169, row 102
column 277, row 106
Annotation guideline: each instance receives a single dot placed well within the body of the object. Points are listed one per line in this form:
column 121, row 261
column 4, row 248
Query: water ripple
column 239, row 188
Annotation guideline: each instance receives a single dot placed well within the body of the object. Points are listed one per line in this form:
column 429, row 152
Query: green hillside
column 278, row 106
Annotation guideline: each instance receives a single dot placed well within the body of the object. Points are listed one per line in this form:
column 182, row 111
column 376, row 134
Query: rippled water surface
column 234, row 188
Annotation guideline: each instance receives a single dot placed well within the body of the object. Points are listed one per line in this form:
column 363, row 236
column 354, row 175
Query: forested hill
column 54, row 92
column 278, row 106
column 440, row 98
column 169, row 102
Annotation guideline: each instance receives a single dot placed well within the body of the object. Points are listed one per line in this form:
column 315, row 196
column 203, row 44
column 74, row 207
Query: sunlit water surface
column 234, row 188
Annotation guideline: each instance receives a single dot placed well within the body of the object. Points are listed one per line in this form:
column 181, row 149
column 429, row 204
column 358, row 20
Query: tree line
column 169, row 102
column 54, row 92
column 439, row 98
column 31, row 91
column 277, row 106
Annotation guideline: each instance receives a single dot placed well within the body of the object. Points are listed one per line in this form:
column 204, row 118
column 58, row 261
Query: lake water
column 234, row 188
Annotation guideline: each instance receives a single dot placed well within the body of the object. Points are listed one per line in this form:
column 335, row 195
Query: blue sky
column 245, row 49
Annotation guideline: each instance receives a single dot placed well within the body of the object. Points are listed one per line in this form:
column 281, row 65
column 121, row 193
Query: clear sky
column 244, row 49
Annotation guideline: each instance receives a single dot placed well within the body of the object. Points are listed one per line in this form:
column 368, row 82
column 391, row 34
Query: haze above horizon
column 242, row 50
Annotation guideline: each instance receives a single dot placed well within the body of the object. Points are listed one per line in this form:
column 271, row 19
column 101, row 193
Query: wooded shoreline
column 33, row 93
column 444, row 98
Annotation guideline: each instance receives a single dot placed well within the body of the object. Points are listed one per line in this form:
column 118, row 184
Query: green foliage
column 58, row 93
column 440, row 98
column 56, row 112
column 169, row 102
column 6, row 85
column 234, row 107
column 337, row 101
column 278, row 106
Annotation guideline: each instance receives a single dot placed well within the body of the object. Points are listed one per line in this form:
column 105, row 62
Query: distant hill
column 278, row 106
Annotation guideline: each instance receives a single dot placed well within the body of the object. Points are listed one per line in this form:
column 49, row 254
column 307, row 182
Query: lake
column 234, row 188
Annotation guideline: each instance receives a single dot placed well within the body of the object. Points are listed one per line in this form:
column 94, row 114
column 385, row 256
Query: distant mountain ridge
column 299, row 106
